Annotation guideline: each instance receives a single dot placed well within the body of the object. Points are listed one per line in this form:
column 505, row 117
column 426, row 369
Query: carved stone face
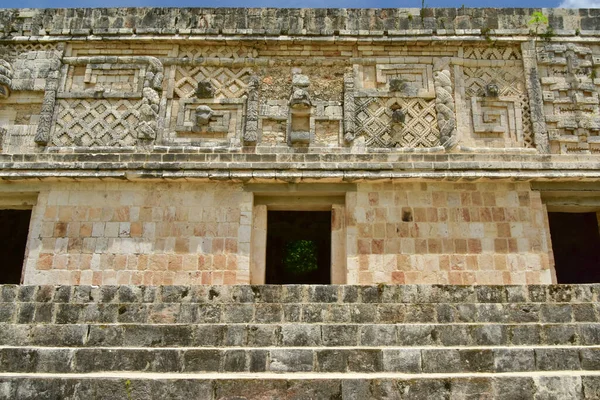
column 492, row 90
column 398, row 116
column 203, row 115
column 300, row 99
column 205, row 90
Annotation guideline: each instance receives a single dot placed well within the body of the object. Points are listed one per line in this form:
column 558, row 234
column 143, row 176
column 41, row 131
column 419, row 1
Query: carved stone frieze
column 99, row 108
column 97, row 122
column 498, row 105
column 375, row 121
column 570, row 91
column 227, row 82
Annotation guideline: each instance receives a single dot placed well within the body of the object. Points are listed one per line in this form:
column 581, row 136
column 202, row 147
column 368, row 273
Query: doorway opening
column 298, row 247
column 13, row 240
column 576, row 246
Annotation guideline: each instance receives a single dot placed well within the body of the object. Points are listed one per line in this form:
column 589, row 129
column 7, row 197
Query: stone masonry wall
column 447, row 233
column 147, row 234
column 140, row 128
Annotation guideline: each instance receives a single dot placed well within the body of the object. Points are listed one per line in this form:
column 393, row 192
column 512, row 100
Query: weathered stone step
column 270, row 335
column 294, row 359
column 349, row 294
column 384, row 313
column 314, row 386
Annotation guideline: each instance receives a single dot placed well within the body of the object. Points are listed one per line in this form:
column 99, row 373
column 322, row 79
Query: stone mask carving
column 398, row 116
column 300, row 99
column 205, row 90
column 203, row 115
column 492, row 90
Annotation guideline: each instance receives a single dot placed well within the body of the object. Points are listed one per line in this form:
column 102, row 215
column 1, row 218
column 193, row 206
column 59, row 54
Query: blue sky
column 297, row 3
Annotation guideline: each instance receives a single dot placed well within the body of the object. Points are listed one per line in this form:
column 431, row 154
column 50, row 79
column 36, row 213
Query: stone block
column 514, row 360
column 340, row 335
column 558, row 387
column 323, row 293
column 237, row 313
column 257, row 360
column 332, row 360
column 417, row 335
column 365, row 360
column 378, row 335
column 289, row 360
column 264, row 335
column 559, row 334
column 268, row 313
column 234, row 360
column 235, row 335
column 202, row 360
column 301, row 335
column 517, row 388
column 564, row 359
column 405, row 360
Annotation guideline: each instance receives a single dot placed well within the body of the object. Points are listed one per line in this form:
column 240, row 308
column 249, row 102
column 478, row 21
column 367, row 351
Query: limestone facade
column 150, row 143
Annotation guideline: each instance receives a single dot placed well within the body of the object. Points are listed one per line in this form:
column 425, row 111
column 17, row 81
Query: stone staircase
column 300, row 342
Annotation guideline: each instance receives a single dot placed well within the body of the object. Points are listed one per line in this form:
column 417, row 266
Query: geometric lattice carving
column 226, row 118
column 511, row 86
column 234, row 52
column 374, row 121
column 228, row 82
column 492, row 53
column 102, row 122
column 499, row 117
column 570, row 90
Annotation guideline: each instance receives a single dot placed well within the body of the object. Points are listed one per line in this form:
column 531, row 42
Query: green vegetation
column 300, row 257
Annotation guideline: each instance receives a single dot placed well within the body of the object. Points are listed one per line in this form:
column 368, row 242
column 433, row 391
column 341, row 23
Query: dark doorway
column 14, row 226
column 576, row 247
column 298, row 247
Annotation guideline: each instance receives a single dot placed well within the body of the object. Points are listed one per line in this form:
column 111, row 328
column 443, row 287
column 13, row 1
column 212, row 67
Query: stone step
column 346, row 294
column 314, row 386
column 294, row 359
column 384, row 313
column 298, row 335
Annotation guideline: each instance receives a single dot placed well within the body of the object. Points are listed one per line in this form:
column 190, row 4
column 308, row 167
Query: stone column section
column 251, row 130
column 338, row 244
column 6, row 74
column 536, row 102
column 258, row 245
column 349, row 130
column 42, row 135
column 444, row 103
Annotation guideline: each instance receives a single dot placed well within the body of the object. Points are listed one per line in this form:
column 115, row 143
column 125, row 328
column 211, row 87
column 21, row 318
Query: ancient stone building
column 199, row 146
column 155, row 162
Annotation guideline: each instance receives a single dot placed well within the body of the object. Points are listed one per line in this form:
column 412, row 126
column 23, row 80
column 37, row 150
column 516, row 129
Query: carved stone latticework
column 227, row 82
column 90, row 123
column 568, row 74
column 374, row 120
column 497, row 99
column 98, row 108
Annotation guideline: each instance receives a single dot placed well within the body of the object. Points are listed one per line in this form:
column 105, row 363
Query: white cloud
column 580, row 4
